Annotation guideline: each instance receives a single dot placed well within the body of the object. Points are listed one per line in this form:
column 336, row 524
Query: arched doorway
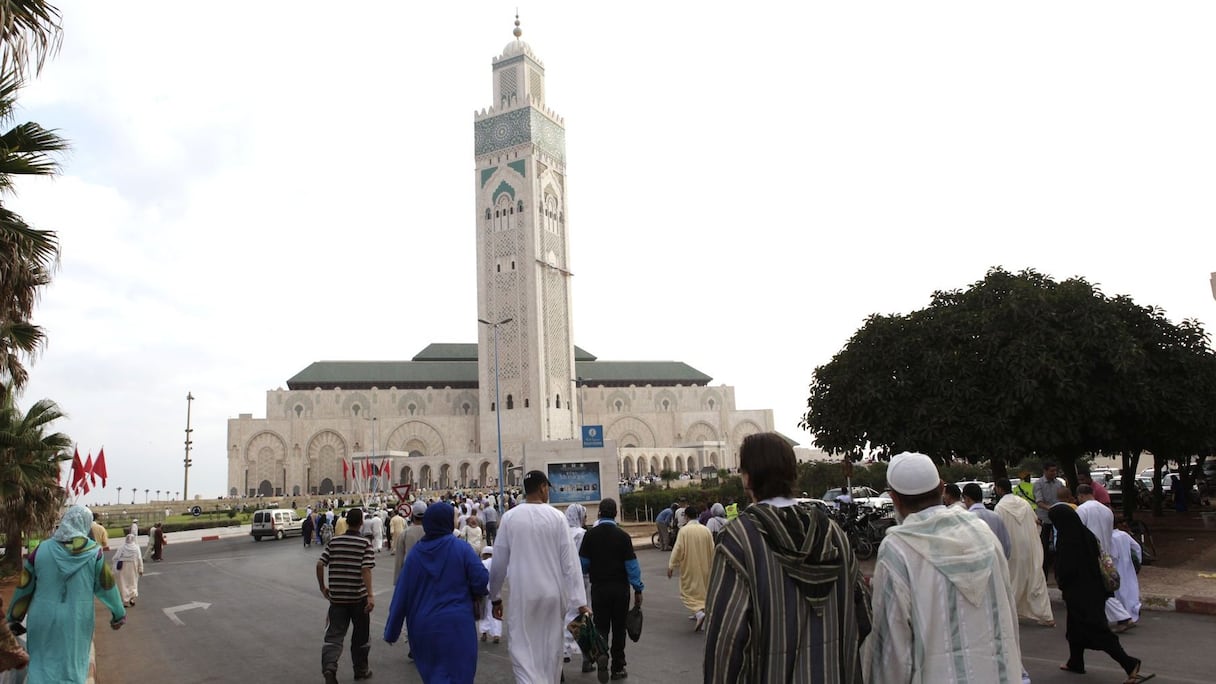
column 424, row 477
column 232, row 492
column 666, row 463
column 483, row 474
column 627, row 467
column 680, row 464
column 445, row 476
column 407, row 475
column 265, row 488
column 327, row 487
column 464, row 474
column 510, row 473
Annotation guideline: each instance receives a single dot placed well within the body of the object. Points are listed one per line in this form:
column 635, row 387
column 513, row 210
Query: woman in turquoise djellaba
column 54, row 597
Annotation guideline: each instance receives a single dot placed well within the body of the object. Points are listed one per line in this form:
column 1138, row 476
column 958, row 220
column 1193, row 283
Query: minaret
column 523, row 257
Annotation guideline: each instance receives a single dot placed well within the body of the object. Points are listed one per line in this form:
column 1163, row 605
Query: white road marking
column 172, row 612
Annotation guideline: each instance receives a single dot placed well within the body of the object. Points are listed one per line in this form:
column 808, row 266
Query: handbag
column 633, row 623
column 1110, row 576
column 588, row 638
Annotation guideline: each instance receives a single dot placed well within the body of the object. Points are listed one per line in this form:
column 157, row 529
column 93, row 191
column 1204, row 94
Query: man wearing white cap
column 943, row 604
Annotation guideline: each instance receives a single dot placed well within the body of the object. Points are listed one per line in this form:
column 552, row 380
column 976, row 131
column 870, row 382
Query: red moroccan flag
column 384, row 468
column 88, row 470
column 99, row 467
column 345, row 470
column 78, row 475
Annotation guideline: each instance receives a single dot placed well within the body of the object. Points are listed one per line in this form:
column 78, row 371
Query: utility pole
column 189, row 442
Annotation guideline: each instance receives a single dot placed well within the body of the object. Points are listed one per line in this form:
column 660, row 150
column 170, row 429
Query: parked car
column 276, row 522
column 1144, row 496
column 988, row 489
column 862, row 496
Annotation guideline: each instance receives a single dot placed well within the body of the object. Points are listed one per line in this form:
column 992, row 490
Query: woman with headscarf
column 717, row 519
column 576, row 517
column 128, row 567
column 1080, row 581
column 439, row 583
column 65, row 572
column 473, row 533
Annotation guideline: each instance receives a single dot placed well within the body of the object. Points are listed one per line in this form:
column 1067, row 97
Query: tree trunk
column 1158, row 496
column 1131, row 495
column 999, row 469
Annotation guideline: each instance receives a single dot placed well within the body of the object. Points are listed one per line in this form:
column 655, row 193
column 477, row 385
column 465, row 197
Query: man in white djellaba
column 535, row 556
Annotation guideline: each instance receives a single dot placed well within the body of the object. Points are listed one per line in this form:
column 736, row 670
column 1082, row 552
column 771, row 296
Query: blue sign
column 593, row 436
column 574, row 482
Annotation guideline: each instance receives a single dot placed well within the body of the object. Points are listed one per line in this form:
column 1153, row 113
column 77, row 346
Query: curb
column 211, row 537
column 1195, row 605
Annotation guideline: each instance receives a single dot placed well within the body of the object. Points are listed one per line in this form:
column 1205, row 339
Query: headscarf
column 576, row 515
column 439, row 548
column 718, row 511
column 1076, row 546
column 472, row 521
column 76, row 522
column 129, row 551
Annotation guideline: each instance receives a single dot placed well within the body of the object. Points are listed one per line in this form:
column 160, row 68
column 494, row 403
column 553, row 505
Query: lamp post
column 186, row 478
column 119, row 495
column 498, row 410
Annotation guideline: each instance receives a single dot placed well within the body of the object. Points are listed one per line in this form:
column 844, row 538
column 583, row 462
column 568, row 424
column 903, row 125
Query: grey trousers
column 341, row 617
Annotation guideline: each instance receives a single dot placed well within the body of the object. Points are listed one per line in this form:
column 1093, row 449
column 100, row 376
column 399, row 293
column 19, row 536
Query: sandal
column 1134, row 677
column 1066, row 668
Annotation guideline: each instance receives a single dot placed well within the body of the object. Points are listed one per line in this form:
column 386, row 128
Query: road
column 264, row 619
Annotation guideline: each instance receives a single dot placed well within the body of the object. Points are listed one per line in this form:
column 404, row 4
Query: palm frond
column 27, row 149
column 30, row 33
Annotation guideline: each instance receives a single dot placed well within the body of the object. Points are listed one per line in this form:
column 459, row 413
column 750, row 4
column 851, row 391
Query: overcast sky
column 257, row 186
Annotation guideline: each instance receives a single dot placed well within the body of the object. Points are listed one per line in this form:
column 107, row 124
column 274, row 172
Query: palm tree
column 30, row 494
column 28, row 255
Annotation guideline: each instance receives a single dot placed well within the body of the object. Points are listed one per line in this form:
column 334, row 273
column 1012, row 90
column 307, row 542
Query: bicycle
column 1144, row 537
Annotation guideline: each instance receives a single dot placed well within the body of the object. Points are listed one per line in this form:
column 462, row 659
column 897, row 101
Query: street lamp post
column 119, row 495
column 186, row 478
column 502, row 501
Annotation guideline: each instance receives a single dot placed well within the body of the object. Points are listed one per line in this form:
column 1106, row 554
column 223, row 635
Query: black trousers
column 1049, row 556
column 610, row 605
column 340, row 618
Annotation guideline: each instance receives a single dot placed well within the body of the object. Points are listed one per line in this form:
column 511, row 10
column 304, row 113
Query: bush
column 198, row 524
column 646, row 504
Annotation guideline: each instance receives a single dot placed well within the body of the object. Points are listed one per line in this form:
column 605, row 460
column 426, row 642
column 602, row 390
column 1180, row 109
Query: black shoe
column 588, row 666
column 601, row 668
column 331, row 678
column 620, row 674
column 366, row 674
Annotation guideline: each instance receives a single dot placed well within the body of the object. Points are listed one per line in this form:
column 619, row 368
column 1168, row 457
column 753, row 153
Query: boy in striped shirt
column 350, row 559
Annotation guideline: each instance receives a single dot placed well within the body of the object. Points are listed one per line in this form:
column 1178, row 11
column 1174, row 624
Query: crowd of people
column 773, row 585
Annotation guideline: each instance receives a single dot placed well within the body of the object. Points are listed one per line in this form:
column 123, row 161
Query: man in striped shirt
column 350, row 559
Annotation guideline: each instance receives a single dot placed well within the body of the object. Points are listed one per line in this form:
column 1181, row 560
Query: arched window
column 550, row 213
column 492, row 407
column 466, row 408
column 498, row 268
column 520, row 206
column 299, row 409
column 512, row 265
column 489, row 214
column 510, row 402
column 355, row 409
column 666, row 405
column 503, row 208
column 525, row 403
column 558, row 402
column 620, row 406
column 412, row 408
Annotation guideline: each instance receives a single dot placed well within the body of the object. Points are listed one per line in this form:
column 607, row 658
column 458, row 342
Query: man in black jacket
column 608, row 558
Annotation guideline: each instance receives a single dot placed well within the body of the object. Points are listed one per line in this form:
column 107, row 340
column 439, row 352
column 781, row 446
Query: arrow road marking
column 172, row 612
column 149, row 574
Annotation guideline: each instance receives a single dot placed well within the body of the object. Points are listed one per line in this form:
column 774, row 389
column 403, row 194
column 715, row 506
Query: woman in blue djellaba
column 54, row 597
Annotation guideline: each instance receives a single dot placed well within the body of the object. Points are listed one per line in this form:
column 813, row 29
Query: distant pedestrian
column 1127, row 556
column 396, row 525
column 489, row 515
column 973, row 499
column 376, row 523
column 784, row 586
column 307, row 530
column 576, row 520
column 406, row 540
column 128, row 564
column 440, row 585
column 717, row 520
column 1080, row 582
column 474, row 533
column 1025, row 555
column 157, row 541
column 350, row 560
column 608, row 558
column 952, row 496
column 943, row 604
column 693, row 555
column 100, row 535
column 54, row 597
column 1099, row 520
column 1046, row 495
column 1084, row 477
column 663, row 523
column 490, row 627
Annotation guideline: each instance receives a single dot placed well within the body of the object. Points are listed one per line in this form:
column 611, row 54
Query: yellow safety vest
column 732, row 511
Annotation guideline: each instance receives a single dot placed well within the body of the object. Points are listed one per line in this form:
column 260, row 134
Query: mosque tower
column 523, row 258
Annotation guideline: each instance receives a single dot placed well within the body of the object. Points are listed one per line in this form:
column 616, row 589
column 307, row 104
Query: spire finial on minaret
column 517, row 31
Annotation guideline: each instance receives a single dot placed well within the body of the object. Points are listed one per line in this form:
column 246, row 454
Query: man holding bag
column 608, row 558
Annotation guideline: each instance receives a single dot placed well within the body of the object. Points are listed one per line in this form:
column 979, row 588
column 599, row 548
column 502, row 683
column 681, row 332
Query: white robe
column 132, row 568
column 1025, row 558
column 943, row 606
column 377, row 528
column 535, row 557
column 1122, row 548
column 569, row 645
column 488, row 625
column 1101, row 521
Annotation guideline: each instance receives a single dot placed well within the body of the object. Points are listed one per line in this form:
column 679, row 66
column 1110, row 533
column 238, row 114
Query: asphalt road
column 263, row 620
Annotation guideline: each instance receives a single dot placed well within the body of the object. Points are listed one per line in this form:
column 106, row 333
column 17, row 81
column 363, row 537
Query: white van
column 276, row 522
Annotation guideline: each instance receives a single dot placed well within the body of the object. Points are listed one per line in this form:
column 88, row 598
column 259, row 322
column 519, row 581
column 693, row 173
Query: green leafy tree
column 667, row 476
column 1016, row 366
column 30, row 494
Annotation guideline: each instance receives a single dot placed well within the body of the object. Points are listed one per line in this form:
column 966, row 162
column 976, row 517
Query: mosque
column 433, row 421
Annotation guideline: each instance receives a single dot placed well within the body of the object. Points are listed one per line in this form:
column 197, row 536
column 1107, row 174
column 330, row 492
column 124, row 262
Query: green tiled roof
column 466, row 351
column 455, row 365
column 625, row 373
